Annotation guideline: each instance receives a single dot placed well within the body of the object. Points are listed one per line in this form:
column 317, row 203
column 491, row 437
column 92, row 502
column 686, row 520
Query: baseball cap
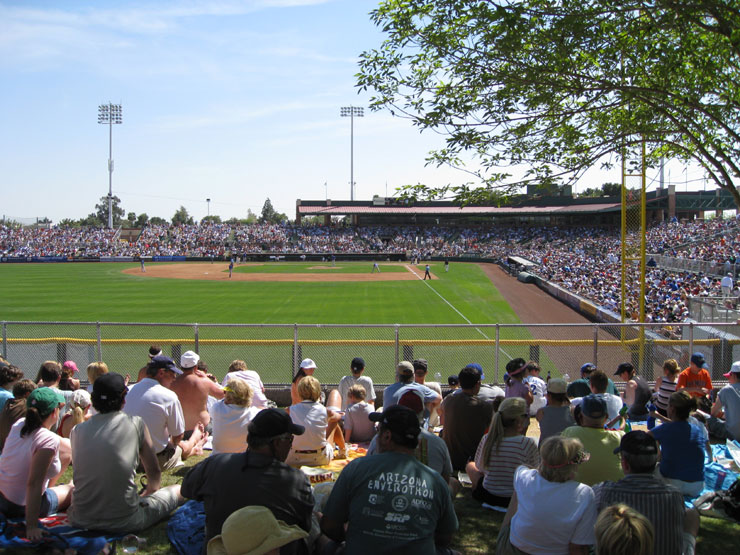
column 453, row 380
column 273, row 422
column 308, row 363
column 44, row 400
column 557, row 385
column 624, row 367
column 405, row 367
column 357, row 364
column 698, row 359
column 477, row 367
column 420, row 364
column 588, row 367
column 189, row 359
column 71, row 365
column 594, row 406
column 253, row 530
column 109, row 386
column 164, row 362
column 398, row 419
column 735, row 369
column 413, row 399
column 637, row 442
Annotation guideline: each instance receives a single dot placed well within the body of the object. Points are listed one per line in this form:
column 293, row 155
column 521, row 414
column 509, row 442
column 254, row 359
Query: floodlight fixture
column 351, row 112
column 110, row 114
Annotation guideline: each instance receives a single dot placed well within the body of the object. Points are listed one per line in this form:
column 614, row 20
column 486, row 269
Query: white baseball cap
column 307, row 363
column 734, row 369
column 189, row 359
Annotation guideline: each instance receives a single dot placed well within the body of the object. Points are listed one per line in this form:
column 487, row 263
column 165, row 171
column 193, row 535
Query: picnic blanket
column 186, row 529
column 58, row 534
column 718, row 474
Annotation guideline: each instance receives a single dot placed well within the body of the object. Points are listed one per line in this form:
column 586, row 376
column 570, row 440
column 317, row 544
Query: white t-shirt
column 230, row 426
column 15, row 462
column 614, row 404
column 159, row 408
column 538, row 387
column 259, row 399
column 348, row 381
column 550, row 515
column 311, row 415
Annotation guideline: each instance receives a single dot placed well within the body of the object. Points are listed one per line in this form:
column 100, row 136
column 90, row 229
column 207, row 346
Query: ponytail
column 78, row 415
column 33, row 421
column 508, row 415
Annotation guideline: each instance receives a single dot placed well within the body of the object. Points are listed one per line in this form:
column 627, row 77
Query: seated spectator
column 550, row 490
column 421, row 369
column 9, row 376
column 727, row 405
column 636, row 394
column 582, row 386
column 405, row 374
column 600, row 443
column 227, row 482
column 665, row 386
column 68, row 381
column 695, row 379
column 556, row 416
column 465, row 418
column 454, row 382
column 357, row 426
column 15, row 408
column 620, row 530
column 230, row 417
column 107, row 449
column 536, row 385
column 306, row 368
column 662, row 504
column 238, row 369
column 316, row 446
column 79, row 411
column 357, row 367
column 598, row 382
column 33, row 460
column 504, row 448
column 682, row 446
column 193, row 387
column 516, row 369
column 50, row 374
column 487, row 392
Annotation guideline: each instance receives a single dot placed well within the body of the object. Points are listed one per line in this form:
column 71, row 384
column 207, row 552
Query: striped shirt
column 499, row 470
column 661, row 503
column 664, row 393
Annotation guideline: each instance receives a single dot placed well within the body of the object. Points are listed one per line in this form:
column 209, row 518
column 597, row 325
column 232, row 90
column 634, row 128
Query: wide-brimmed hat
column 253, row 530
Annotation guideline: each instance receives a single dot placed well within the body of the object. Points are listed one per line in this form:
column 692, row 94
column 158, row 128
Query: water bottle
column 438, row 376
column 132, row 543
column 651, row 419
column 548, row 377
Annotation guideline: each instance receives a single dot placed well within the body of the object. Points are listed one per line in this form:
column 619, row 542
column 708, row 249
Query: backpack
column 723, row 503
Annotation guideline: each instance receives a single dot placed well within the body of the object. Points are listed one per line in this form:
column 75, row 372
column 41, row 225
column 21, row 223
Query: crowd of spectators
column 583, row 260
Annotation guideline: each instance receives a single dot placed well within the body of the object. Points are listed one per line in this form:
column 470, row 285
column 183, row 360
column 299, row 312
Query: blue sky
column 231, row 100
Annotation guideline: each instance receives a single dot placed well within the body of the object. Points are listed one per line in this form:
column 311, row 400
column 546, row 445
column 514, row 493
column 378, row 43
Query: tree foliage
column 561, row 85
column 211, row 219
column 182, row 217
column 270, row 215
column 101, row 212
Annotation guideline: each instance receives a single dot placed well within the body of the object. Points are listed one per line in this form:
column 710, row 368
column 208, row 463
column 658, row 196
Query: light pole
column 351, row 112
column 209, row 207
column 110, row 113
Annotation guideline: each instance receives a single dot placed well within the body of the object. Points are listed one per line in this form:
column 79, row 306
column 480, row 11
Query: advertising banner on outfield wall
column 116, row 258
column 168, row 259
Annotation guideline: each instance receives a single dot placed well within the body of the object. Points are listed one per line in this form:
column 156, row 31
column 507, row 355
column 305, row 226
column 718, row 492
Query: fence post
column 197, row 336
column 296, row 352
column 691, row 337
column 397, row 344
column 100, row 342
column 5, row 340
column 495, row 354
column 596, row 345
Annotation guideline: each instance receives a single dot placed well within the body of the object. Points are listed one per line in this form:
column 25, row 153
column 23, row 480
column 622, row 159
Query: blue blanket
column 58, row 534
column 716, row 476
column 186, row 528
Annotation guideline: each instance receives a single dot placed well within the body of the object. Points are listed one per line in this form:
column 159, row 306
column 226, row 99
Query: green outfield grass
column 320, row 268
column 100, row 292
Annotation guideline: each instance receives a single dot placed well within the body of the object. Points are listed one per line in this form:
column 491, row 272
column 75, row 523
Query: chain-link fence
column 276, row 350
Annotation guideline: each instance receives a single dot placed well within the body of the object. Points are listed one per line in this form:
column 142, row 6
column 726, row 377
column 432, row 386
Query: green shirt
column 603, row 464
column 393, row 503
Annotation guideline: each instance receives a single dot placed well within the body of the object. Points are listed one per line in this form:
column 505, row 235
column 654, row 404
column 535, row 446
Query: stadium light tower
column 110, row 113
column 351, row 112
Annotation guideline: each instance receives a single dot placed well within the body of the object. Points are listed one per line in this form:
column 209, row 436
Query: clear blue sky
column 231, row 100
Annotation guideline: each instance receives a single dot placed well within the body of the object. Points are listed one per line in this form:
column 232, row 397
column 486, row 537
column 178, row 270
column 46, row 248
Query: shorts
column 320, row 457
column 484, row 496
column 170, row 457
column 48, row 506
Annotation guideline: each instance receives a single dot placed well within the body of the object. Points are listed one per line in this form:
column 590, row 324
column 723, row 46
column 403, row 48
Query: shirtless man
column 193, row 388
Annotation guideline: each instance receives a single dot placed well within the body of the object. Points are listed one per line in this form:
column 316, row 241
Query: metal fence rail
column 275, row 350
